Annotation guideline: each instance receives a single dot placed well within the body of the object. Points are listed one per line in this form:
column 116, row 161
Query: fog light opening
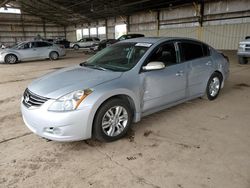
column 53, row 130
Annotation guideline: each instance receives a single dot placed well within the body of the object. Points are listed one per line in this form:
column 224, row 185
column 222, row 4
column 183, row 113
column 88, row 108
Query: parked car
column 63, row 42
column 31, row 50
column 129, row 36
column 107, row 42
column 244, row 51
column 85, row 43
column 119, row 85
column 103, row 44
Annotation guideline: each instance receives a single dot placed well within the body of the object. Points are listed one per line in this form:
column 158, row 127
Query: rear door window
column 42, row 44
column 191, row 50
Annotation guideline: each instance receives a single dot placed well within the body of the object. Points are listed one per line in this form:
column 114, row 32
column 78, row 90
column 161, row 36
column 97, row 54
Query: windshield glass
column 120, row 57
column 18, row 45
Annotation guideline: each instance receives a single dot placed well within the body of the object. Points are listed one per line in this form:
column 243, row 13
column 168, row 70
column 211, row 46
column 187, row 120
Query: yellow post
column 200, row 33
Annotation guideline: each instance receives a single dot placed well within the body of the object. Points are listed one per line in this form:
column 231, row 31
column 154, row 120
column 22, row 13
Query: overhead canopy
column 65, row 12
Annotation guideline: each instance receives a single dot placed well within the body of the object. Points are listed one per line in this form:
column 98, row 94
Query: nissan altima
column 102, row 97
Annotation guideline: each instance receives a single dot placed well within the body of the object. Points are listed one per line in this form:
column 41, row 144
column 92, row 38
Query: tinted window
column 42, row 44
column 206, row 50
column 165, row 54
column 191, row 50
column 89, row 39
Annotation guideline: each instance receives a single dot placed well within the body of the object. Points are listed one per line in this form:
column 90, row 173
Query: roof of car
column 154, row 40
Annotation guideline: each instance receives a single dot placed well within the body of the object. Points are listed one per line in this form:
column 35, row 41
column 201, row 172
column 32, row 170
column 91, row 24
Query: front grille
column 247, row 47
column 30, row 99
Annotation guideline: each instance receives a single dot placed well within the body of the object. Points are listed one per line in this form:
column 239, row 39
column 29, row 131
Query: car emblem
column 26, row 98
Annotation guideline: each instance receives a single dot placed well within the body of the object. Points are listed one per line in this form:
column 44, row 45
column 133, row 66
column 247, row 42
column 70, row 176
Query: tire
column 243, row 60
column 53, row 55
column 10, row 59
column 76, row 47
column 213, row 86
column 112, row 120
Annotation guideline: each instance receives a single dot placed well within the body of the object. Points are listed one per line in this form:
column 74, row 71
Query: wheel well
column 13, row 55
column 55, row 52
column 123, row 97
column 220, row 74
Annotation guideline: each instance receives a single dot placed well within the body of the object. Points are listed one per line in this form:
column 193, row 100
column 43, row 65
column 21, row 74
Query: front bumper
column 243, row 53
column 1, row 58
column 58, row 126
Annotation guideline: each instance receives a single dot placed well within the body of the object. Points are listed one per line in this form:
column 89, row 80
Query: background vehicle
column 31, row 50
column 121, row 84
column 103, row 44
column 129, row 36
column 244, row 51
column 63, row 42
column 85, row 43
column 107, row 42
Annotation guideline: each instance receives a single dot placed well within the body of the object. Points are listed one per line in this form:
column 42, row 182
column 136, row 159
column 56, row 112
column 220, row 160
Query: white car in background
column 244, row 51
column 31, row 50
column 85, row 43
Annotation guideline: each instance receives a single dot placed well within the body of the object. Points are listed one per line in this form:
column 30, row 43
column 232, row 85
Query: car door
column 82, row 43
column 89, row 42
column 43, row 49
column 26, row 51
column 163, row 87
column 199, row 65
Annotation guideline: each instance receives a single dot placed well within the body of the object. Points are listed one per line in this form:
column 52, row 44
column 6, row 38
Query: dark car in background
column 107, row 42
column 63, row 42
column 130, row 36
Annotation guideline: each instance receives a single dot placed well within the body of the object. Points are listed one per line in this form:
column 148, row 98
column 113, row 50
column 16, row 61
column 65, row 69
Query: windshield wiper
column 93, row 66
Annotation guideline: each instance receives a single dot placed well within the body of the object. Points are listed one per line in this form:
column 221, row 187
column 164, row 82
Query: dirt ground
column 198, row 144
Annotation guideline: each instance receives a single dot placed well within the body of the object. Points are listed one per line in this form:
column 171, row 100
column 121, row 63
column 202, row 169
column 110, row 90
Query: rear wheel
column 213, row 86
column 10, row 59
column 243, row 60
column 112, row 120
column 76, row 47
column 53, row 55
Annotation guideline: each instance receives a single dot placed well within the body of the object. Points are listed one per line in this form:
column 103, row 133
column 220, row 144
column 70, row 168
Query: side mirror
column 154, row 65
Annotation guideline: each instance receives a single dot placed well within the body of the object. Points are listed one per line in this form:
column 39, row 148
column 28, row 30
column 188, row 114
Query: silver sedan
column 31, row 50
column 121, row 84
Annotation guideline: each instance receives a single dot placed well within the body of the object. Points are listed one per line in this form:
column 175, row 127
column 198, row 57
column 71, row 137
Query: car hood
column 61, row 82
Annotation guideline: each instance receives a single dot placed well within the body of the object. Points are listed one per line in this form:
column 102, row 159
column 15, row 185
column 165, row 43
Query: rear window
column 193, row 50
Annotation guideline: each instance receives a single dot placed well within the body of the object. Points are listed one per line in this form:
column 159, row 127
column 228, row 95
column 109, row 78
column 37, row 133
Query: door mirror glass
column 154, row 65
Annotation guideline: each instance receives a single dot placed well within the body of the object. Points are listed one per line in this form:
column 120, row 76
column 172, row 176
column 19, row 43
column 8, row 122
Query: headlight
column 70, row 101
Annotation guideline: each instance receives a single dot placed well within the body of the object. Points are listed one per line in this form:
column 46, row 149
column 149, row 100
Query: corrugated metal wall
column 16, row 27
column 226, row 23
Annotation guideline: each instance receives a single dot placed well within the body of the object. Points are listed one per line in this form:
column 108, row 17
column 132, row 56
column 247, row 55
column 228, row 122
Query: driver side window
column 26, row 46
column 165, row 54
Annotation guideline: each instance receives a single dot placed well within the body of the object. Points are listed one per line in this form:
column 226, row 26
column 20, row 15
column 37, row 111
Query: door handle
column 209, row 63
column 34, row 49
column 179, row 73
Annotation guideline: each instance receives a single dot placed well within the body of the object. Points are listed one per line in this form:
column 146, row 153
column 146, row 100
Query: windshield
column 17, row 45
column 120, row 57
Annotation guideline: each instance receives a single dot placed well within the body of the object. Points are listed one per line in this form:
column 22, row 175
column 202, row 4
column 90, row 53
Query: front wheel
column 112, row 120
column 10, row 59
column 213, row 86
column 243, row 60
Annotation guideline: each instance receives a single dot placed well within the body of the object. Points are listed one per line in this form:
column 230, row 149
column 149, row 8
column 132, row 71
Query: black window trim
column 178, row 58
column 194, row 42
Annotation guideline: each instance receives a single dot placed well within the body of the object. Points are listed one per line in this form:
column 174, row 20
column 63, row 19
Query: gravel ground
column 198, row 144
